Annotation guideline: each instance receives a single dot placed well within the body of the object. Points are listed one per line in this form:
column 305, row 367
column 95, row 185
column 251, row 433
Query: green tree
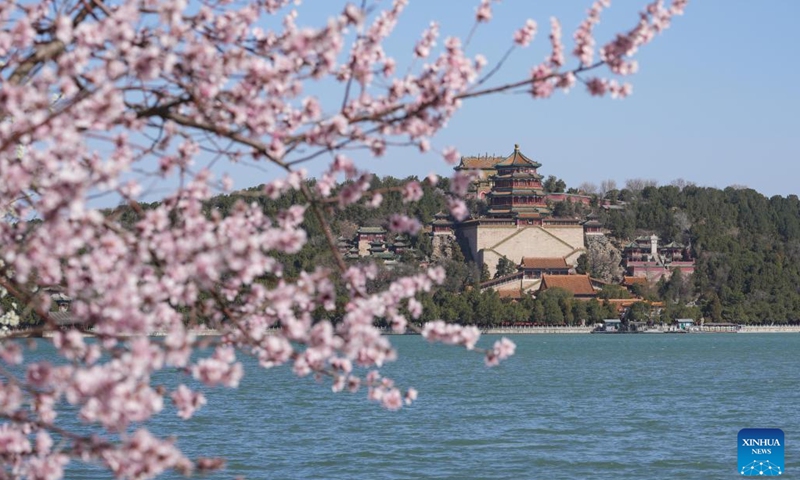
column 505, row 267
column 485, row 272
column 579, row 311
column 582, row 266
column 614, row 291
column 554, row 185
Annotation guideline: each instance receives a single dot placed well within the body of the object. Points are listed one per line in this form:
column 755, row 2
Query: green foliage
column 583, row 264
column 564, row 209
column 505, row 267
column 639, row 312
column 485, row 275
column 746, row 246
column 554, row 185
column 614, row 291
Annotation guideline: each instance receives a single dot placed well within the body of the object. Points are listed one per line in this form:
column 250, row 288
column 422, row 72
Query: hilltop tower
column 519, row 222
column 517, row 190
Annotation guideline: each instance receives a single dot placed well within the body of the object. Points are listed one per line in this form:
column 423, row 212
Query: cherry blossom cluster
column 111, row 101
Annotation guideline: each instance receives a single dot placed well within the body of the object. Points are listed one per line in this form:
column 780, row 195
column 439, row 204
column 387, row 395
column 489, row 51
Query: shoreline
column 544, row 330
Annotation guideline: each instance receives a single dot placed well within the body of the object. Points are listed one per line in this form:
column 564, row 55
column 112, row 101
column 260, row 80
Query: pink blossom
column 557, row 55
column 375, row 201
column 64, row 28
column 38, row 374
column 437, row 274
column 144, row 456
column 524, row 36
column 423, row 47
column 439, row 331
column 168, row 96
column 460, row 182
column 219, row 370
column 415, row 308
column 187, row 401
column 541, row 76
column 618, row 90
column 392, row 399
column 412, row 191
column 44, row 442
column 566, row 81
column 597, row 86
column 10, row 398
column 404, row 224
column 46, row 467
column 10, row 353
column 353, row 384
column 411, row 396
column 458, row 209
column 501, row 350
column 450, row 155
column 484, row 11
column 584, row 41
column 13, row 441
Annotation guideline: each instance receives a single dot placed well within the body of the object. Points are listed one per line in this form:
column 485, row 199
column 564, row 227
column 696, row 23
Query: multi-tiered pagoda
column 519, row 222
column 517, row 190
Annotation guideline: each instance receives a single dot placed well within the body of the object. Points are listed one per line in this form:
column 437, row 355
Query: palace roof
column 486, row 162
column 479, row 163
column 514, row 294
column 376, row 230
column 629, row 281
column 517, row 159
column 553, row 263
column 578, row 285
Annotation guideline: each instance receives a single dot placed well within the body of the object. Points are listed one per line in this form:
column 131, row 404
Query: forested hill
column 747, row 246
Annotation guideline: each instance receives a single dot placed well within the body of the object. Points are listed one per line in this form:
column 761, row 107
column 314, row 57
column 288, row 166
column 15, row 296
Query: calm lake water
column 565, row 406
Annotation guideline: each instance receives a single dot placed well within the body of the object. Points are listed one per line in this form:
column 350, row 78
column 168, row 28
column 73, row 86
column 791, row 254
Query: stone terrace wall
column 489, row 243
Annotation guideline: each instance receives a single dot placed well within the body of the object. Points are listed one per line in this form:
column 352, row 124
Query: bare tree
column 588, row 188
column 681, row 183
column 606, row 186
column 636, row 185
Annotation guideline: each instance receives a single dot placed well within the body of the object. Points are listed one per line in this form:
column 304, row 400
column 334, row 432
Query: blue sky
column 716, row 100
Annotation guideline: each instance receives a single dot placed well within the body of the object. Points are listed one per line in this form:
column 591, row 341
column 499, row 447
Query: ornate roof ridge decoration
column 492, row 162
column 517, row 159
column 485, row 162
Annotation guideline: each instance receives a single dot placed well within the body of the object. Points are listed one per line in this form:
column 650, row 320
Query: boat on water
column 614, row 326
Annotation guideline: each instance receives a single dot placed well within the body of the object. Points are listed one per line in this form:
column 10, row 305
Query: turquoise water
column 566, row 406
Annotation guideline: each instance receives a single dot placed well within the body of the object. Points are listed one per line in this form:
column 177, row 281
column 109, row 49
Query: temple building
column 488, row 169
column 592, row 225
column 519, row 222
column 365, row 236
column 347, row 249
column 533, row 268
column 375, row 243
column 483, row 168
column 442, row 224
column 517, row 190
column 644, row 257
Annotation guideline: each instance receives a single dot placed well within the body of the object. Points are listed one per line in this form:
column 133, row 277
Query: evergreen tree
column 505, row 267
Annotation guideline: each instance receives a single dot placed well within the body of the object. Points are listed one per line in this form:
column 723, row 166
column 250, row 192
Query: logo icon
column 761, row 452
